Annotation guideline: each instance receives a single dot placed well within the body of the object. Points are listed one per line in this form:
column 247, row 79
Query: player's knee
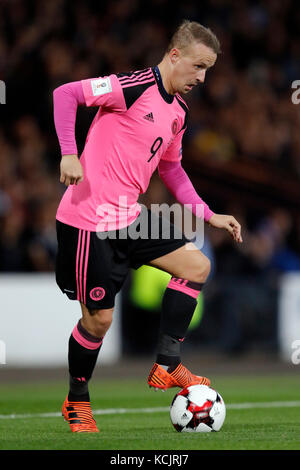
column 202, row 271
column 207, row 268
column 101, row 320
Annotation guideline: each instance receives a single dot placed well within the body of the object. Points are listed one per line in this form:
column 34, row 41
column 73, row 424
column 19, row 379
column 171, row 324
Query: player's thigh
column 164, row 246
column 90, row 269
column 186, row 262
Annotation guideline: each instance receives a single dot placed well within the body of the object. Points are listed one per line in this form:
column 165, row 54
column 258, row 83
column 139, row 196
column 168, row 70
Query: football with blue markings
column 197, row 408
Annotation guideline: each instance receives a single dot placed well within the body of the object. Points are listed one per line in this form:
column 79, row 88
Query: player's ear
column 174, row 55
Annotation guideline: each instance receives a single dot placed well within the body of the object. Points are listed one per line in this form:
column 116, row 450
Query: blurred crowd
column 244, row 112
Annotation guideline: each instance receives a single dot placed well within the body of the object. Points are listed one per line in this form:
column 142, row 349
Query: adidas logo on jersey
column 149, row 117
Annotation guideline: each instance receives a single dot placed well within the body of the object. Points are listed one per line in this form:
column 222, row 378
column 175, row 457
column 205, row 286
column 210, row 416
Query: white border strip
column 114, row 411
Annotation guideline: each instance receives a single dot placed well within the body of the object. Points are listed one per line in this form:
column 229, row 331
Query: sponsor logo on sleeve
column 101, row 86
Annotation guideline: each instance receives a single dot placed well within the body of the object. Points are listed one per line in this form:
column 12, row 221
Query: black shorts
column 93, row 270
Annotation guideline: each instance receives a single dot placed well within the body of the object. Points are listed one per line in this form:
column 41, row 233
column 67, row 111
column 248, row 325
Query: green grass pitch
column 270, row 419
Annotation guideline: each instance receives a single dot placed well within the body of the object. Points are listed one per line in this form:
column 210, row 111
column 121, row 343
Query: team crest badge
column 97, row 293
column 174, row 126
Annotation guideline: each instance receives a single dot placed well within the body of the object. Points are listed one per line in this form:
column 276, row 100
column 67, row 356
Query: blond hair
column 191, row 31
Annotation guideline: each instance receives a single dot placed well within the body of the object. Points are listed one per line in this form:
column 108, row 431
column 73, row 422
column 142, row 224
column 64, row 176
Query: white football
column 197, row 408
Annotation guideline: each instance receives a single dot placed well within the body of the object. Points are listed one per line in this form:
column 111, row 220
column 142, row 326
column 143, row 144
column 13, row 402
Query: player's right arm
column 66, row 99
column 71, row 171
column 103, row 91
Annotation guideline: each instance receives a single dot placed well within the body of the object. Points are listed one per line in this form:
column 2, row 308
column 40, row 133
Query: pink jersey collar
column 166, row 96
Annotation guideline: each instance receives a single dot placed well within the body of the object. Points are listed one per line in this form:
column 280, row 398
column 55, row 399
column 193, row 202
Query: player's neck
column 165, row 76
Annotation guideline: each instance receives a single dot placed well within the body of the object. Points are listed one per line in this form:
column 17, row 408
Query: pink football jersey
column 137, row 124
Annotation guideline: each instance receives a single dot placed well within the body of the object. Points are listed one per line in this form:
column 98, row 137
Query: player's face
column 189, row 66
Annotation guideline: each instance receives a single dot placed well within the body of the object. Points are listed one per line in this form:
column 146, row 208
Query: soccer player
column 141, row 118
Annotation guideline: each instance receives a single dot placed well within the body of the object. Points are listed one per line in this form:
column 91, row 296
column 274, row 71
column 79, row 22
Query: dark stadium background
column 241, row 149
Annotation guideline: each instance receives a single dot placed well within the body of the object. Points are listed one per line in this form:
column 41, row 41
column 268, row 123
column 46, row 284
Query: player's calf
column 178, row 305
column 83, row 353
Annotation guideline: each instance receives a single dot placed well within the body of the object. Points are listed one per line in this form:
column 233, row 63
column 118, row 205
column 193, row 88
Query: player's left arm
column 177, row 181
column 229, row 223
column 179, row 184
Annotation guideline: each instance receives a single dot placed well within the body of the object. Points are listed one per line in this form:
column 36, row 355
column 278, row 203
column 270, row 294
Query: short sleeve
column 105, row 92
column 174, row 150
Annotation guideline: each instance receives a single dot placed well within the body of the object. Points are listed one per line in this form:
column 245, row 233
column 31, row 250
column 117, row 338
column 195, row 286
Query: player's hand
column 229, row 223
column 71, row 171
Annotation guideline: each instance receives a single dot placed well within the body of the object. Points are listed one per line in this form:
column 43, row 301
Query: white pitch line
column 113, row 411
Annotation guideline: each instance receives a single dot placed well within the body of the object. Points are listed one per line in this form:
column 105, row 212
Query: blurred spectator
column 243, row 295
column 12, row 250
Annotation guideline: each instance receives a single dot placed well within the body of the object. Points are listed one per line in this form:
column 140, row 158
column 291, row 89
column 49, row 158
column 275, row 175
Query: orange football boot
column 181, row 377
column 79, row 416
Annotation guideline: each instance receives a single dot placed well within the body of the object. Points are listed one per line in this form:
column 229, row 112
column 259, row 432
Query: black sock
column 168, row 351
column 82, row 362
column 177, row 311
